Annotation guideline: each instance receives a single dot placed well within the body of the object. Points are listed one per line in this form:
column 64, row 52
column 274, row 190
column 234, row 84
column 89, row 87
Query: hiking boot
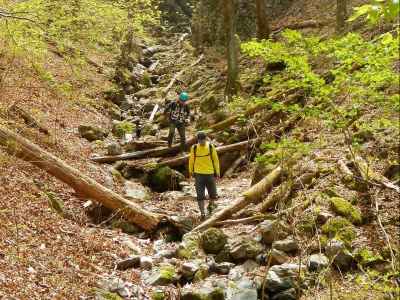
column 202, row 217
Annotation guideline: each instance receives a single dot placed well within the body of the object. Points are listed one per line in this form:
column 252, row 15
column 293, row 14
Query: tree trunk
column 16, row 145
column 263, row 29
column 232, row 48
column 255, row 193
column 341, row 14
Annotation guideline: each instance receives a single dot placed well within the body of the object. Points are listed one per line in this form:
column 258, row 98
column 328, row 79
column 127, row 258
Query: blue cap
column 184, row 96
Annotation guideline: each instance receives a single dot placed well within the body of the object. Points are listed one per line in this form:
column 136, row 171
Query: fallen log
column 248, row 220
column 369, row 175
column 232, row 147
column 17, row 145
column 28, row 119
column 254, row 194
column 282, row 192
column 163, row 151
column 235, row 164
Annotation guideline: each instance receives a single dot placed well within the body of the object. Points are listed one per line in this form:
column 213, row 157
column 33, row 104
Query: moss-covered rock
column 125, row 226
column 346, row 209
column 91, row 133
column 213, row 240
column 104, row 295
column 121, row 128
column 245, row 249
column 165, row 179
column 339, row 228
column 163, row 276
column 158, row 295
column 201, row 274
column 189, row 247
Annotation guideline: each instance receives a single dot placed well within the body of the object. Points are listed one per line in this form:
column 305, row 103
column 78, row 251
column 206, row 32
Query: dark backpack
column 210, row 146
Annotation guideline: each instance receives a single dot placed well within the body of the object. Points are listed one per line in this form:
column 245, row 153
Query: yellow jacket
column 202, row 162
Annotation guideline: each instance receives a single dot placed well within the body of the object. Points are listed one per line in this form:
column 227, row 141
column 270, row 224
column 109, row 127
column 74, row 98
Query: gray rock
column 223, row 268
column 118, row 286
column 278, row 257
column 166, row 253
column 317, row 262
column 114, row 149
column 289, row 294
column 146, row 262
column 272, row 231
column 245, row 249
column 131, row 262
column 188, row 269
column 282, row 277
column 213, row 240
column 286, row 245
column 136, row 191
column 342, row 258
column 91, row 133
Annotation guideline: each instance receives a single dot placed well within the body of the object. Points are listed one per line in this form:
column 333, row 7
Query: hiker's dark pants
column 203, row 182
column 182, row 135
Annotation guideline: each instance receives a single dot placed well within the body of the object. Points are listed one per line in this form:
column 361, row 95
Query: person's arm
column 191, row 162
column 187, row 114
column 216, row 161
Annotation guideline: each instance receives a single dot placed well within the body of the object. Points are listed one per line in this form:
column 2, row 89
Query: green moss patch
column 339, row 228
column 346, row 209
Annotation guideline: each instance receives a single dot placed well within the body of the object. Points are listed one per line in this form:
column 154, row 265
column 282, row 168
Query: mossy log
column 254, row 194
column 17, row 145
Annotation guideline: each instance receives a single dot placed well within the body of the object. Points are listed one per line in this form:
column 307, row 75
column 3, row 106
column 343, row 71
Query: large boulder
column 213, row 240
column 92, row 133
column 203, row 293
column 165, row 179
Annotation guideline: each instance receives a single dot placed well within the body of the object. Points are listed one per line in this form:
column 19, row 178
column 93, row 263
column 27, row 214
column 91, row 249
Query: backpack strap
column 194, row 153
column 212, row 159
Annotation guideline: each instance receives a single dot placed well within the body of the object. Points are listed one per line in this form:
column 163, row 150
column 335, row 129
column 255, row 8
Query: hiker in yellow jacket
column 204, row 166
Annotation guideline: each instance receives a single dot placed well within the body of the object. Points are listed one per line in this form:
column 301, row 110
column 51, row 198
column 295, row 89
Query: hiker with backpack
column 179, row 113
column 204, row 166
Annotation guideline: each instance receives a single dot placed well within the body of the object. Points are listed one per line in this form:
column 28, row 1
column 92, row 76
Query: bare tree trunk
column 341, row 14
column 263, row 29
column 17, row 145
column 232, row 48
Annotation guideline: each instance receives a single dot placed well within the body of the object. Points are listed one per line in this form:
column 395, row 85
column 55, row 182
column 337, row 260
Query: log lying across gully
column 175, row 162
column 17, row 145
column 253, row 195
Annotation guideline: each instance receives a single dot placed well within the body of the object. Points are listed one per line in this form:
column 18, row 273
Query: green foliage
column 73, row 29
column 339, row 228
column 278, row 151
column 388, row 10
column 122, row 128
column 366, row 257
column 362, row 74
